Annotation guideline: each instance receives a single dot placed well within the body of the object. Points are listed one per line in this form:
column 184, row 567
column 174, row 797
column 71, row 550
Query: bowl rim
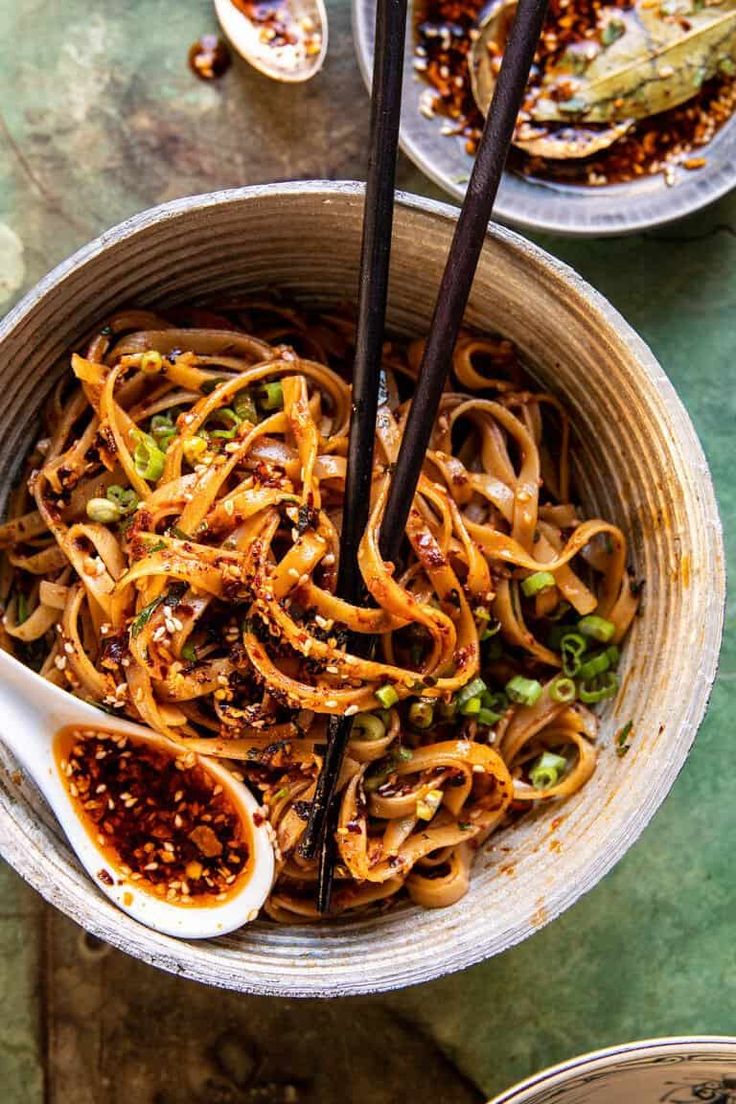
column 626, row 1053
column 511, row 207
column 192, row 960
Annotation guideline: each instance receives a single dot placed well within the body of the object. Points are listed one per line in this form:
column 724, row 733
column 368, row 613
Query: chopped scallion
column 523, row 691
column 245, row 407
column 272, row 396
column 387, row 696
column 471, row 707
column 103, row 510
column 572, row 647
column 421, row 714
column 124, row 498
column 536, row 583
column 597, row 627
column 472, row 689
column 189, row 652
column 596, row 665
column 562, row 690
column 367, row 726
column 598, row 689
column 147, row 457
column 547, row 770
column 151, row 362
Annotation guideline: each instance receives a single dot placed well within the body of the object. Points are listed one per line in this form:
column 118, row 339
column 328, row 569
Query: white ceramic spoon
column 32, row 712
column 289, row 63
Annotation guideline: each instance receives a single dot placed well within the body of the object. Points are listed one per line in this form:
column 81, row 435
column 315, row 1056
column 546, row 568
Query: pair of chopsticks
column 452, row 299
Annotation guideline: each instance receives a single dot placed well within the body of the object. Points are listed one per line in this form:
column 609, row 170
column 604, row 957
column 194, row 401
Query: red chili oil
column 209, row 57
column 162, row 821
column 659, row 143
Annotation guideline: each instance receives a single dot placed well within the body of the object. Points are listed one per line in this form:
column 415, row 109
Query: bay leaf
column 648, row 59
column 655, row 64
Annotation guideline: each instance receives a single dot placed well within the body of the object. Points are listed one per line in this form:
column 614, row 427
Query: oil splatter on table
column 100, row 118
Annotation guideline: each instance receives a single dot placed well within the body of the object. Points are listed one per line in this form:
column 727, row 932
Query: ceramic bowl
column 638, row 462
column 653, row 1071
column 533, row 204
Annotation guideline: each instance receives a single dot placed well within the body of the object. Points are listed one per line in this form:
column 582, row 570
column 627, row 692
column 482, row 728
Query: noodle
column 172, row 557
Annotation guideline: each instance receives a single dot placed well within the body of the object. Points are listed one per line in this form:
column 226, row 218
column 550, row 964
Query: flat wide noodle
column 172, row 556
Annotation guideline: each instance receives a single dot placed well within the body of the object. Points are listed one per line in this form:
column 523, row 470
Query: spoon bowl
column 291, row 48
column 33, row 712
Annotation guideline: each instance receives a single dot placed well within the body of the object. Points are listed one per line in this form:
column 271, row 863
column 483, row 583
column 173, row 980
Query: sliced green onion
column 194, row 449
column 471, row 707
column 147, row 457
column 272, row 396
column 368, row 727
column 151, row 362
column 245, row 407
column 21, row 608
column 124, row 498
column 387, row 696
column 230, row 418
column 572, row 647
column 596, row 665
column 487, row 716
column 605, row 686
column 562, row 690
column 614, row 655
column 405, row 754
column 497, row 702
column 189, row 652
column 597, row 627
column 103, row 511
column 536, row 583
column 523, row 691
column 421, row 714
column 472, row 689
column 163, row 430
column 547, row 770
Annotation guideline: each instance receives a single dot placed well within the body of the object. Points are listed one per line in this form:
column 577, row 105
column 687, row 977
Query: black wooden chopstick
column 372, row 294
column 460, row 267
column 452, row 299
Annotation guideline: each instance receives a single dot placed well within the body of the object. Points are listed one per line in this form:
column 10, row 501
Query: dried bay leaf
column 645, row 60
column 656, row 63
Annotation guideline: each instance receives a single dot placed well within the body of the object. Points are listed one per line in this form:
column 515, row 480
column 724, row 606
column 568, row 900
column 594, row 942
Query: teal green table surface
column 100, row 118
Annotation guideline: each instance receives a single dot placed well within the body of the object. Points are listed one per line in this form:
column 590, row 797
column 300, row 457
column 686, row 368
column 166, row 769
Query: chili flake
column 161, row 818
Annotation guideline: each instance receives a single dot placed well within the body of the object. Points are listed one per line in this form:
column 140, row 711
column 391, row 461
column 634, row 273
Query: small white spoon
column 289, row 62
column 32, row 712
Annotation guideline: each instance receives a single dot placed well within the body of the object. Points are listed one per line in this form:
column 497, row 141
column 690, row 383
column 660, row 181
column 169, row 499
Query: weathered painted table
column 101, row 117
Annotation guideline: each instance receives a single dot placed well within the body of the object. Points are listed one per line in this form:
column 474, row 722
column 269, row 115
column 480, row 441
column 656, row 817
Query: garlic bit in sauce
column 164, row 823
column 281, row 29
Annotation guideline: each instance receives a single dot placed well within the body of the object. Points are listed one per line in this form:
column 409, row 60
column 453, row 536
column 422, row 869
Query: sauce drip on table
column 209, row 57
column 162, row 820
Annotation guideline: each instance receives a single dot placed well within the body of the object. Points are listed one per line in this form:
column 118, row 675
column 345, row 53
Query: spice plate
column 540, row 205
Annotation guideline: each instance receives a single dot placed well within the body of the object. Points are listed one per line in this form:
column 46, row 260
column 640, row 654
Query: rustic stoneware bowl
column 653, row 1071
column 639, row 462
column 530, row 203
